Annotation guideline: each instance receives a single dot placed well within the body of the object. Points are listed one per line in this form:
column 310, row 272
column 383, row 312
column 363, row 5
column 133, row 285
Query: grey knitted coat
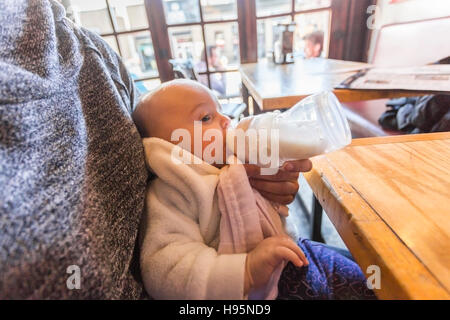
column 72, row 171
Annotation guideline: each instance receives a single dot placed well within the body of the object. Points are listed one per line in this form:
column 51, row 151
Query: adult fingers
column 252, row 170
column 298, row 166
column 281, row 175
column 281, row 199
column 278, row 188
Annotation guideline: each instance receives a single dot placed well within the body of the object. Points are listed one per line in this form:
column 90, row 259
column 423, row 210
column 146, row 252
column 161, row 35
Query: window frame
column 293, row 13
column 247, row 29
column 343, row 27
column 116, row 35
column 202, row 23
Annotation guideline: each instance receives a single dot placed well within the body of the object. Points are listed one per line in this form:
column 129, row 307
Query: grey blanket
column 72, row 171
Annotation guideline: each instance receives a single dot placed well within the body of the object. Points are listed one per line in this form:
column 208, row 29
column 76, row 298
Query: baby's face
column 179, row 106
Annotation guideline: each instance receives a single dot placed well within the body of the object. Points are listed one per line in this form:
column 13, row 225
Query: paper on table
column 424, row 78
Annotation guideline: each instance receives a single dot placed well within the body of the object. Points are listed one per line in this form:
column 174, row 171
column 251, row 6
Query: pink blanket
column 247, row 219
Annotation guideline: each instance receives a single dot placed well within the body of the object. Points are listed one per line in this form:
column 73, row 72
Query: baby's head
column 178, row 104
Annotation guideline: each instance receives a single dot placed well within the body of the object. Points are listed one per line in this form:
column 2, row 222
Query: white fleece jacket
column 180, row 232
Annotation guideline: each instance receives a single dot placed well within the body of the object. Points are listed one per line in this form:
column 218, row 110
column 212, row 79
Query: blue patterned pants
column 329, row 276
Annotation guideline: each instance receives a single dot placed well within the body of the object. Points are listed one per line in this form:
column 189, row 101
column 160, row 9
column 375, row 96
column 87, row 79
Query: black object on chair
column 184, row 69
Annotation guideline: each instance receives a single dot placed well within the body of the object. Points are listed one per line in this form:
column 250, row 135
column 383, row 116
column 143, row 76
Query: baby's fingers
column 287, row 254
column 295, row 248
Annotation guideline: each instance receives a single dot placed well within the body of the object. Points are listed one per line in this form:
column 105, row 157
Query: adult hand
column 282, row 187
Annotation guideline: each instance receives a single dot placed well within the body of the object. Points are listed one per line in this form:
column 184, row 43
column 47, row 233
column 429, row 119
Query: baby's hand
column 264, row 259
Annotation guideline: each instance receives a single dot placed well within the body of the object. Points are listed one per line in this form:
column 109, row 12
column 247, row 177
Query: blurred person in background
column 314, row 44
column 216, row 62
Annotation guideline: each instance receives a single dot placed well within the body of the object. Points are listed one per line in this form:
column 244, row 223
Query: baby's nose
column 225, row 121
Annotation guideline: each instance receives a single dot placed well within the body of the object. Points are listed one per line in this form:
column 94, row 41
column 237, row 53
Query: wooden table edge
column 401, row 138
column 251, row 89
column 357, row 234
column 344, row 96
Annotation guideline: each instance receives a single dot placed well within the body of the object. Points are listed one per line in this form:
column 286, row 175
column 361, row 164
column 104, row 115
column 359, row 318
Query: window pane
column 271, row 7
column 187, row 43
column 91, row 14
column 268, row 34
column 232, row 84
column 147, row 85
column 129, row 14
column 219, row 9
column 312, row 34
column 311, row 4
column 222, row 42
column 181, row 11
column 236, row 100
column 224, row 84
column 111, row 40
column 138, row 54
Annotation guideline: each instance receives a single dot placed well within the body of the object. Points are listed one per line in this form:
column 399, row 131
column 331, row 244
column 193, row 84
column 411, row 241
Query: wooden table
column 282, row 86
column 389, row 199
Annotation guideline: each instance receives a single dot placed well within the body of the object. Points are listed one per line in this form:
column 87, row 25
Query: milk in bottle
column 316, row 125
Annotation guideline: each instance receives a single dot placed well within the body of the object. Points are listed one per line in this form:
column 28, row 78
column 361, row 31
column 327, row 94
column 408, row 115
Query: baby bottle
column 314, row 126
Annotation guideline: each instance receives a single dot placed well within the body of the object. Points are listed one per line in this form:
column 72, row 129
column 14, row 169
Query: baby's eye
column 206, row 118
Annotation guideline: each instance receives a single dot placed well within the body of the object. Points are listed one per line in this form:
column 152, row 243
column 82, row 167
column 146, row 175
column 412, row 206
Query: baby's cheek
column 214, row 151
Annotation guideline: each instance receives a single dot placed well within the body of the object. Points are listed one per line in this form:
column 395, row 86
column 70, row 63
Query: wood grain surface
column 389, row 198
column 282, row 86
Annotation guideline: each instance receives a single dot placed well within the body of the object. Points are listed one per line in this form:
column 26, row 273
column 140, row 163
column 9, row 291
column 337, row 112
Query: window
column 214, row 10
column 147, row 33
column 308, row 24
column 123, row 24
column 311, row 4
column 267, row 33
column 265, row 8
column 181, row 11
column 206, row 32
column 312, row 25
column 187, row 43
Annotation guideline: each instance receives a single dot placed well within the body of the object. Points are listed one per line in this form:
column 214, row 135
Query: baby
column 206, row 234
column 182, row 256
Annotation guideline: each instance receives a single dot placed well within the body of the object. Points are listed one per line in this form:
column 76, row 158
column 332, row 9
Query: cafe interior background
column 148, row 34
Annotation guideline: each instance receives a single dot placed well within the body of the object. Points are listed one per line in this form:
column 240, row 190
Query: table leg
column 317, row 212
column 245, row 98
column 256, row 108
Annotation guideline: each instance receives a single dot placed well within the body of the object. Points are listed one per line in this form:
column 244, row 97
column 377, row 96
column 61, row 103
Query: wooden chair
column 406, row 44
